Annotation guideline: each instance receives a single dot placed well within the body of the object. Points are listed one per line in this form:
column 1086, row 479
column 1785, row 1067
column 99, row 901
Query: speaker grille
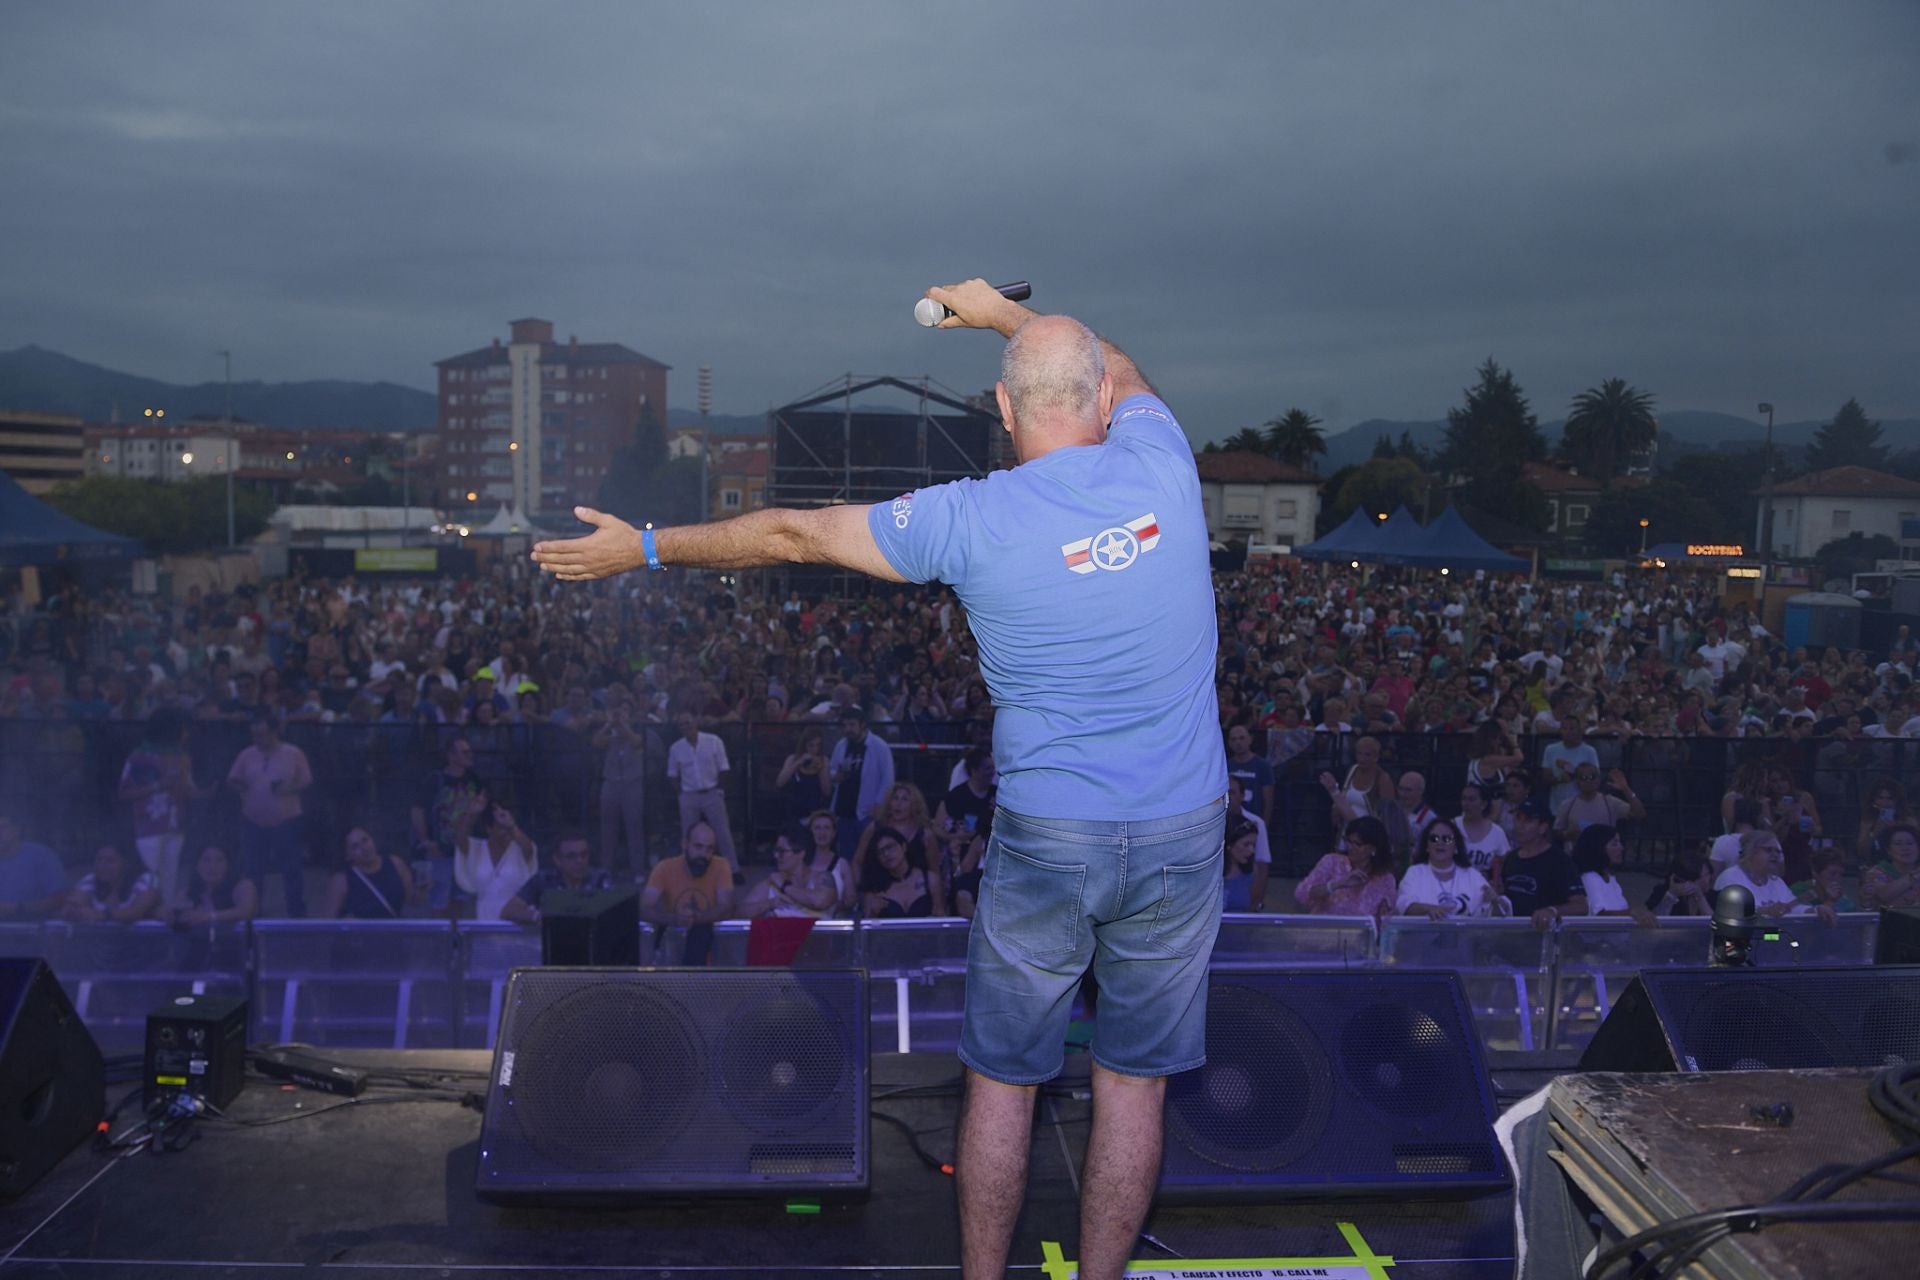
column 1762, row 1019
column 1330, row 1083
column 620, row 1085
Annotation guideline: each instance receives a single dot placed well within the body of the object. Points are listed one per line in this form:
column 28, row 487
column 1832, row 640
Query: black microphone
column 930, row 313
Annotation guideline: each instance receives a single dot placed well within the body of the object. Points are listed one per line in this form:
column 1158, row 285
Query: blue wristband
column 647, row 548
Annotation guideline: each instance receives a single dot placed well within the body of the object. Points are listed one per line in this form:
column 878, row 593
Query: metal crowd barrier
column 1537, row 996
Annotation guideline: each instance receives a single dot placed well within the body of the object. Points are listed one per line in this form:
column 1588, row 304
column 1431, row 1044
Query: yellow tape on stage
column 1361, row 1264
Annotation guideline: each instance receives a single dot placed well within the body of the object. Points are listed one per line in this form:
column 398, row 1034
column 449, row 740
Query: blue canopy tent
column 1342, row 542
column 31, row 532
column 1398, row 541
column 1448, row 542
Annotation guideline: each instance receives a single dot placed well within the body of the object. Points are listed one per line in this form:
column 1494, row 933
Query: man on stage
column 1085, row 575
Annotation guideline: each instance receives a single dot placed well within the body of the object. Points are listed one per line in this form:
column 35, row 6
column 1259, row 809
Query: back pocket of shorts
column 1033, row 907
column 1189, row 907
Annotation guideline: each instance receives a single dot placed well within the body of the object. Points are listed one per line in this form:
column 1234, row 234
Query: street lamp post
column 1643, row 535
column 1766, row 511
column 233, row 449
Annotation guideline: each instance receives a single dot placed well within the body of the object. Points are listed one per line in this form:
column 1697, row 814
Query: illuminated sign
column 396, row 559
column 1743, row 573
column 1715, row 549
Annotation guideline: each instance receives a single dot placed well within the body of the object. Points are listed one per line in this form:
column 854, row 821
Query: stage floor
column 387, row 1189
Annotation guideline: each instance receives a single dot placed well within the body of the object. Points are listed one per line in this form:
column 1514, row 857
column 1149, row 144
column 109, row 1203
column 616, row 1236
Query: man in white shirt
column 696, row 763
column 1758, row 872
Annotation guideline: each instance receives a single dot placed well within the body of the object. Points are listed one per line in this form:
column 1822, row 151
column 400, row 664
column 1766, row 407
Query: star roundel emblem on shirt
column 1114, row 548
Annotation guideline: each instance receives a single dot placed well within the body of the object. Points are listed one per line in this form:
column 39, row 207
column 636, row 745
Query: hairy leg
column 990, row 1168
column 1122, row 1169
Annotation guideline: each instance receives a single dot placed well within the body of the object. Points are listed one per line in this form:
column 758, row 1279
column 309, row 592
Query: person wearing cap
column 1537, row 878
column 1085, row 576
column 861, row 772
column 697, row 765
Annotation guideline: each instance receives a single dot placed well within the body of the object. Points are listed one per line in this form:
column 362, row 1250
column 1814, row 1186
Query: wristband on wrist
column 647, row 547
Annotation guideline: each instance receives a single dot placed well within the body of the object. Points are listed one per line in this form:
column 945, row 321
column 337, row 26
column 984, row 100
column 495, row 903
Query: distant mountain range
column 36, row 380
column 1681, row 430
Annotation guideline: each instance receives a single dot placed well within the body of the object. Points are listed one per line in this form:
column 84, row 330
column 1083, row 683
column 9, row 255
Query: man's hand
column 978, row 305
column 613, row 547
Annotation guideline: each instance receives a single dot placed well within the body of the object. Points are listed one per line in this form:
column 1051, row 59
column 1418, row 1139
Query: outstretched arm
column 818, row 535
column 978, row 305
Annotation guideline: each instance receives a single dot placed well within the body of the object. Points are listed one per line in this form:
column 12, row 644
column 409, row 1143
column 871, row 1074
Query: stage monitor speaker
column 590, row 926
column 1897, row 939
column 627, row 1086
column 1333, row 1083
column 53, row 1087
column 1760, row 1019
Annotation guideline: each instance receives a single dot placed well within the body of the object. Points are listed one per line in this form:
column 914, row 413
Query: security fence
column 59, row 780
column 1537, row 995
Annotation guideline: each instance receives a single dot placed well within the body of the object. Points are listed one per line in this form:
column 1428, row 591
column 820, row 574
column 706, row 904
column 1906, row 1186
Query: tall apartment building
column 39, row 450
column 534, row 422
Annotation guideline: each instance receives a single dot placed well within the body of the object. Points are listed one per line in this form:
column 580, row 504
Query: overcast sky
column 1344, row 207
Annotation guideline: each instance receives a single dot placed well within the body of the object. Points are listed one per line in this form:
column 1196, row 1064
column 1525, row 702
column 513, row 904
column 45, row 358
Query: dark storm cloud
column 1269, row 205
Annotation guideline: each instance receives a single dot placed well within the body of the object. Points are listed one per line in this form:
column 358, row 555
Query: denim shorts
column 1139, row 902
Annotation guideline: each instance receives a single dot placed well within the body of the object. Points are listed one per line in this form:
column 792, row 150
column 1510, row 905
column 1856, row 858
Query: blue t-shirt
column 1088, row 587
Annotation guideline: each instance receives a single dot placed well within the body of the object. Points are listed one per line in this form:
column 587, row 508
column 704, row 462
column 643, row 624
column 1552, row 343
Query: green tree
column 1850, row 440
column 1383, row 448
column 1673, row 512
column 1607, row 426
column 168, row 518
column 635, row 485
column 1295, row 438
column 1488, row 439
column 1855, row 553
column 1380, row 484
column 1727, row 483
column 1246, row 440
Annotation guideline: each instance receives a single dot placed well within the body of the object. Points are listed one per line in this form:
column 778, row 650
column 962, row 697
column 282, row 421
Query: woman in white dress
column 1437, row 884
column 493, row 861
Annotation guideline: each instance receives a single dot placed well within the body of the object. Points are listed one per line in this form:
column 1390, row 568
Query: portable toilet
column 1821, row 619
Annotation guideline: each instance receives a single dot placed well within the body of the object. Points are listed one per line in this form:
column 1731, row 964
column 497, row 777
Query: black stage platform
column 386, row 1189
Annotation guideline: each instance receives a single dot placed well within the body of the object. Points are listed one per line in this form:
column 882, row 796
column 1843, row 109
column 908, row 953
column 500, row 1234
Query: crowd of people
column 1422, row 743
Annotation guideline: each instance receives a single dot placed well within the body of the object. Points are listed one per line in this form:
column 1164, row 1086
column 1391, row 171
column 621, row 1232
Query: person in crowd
column 215, row 893
column 1590, row 806
column 1725, row 849
column 572, row 870
column 697, row 765
column 1237, row 813
column 156, row 783
column 1243, row 885
column 967, row 808
column 1514, row 792
column 861, row 771
column 1825, row 889
column 369, row 885
column 1537, row 878
column 894, row 884
column 1687, row 887
column 1749, row 782
column 1757, row 870
column 904, row 812
column 1894, row 878
column 1490, row 753
column 621, row 740
column 693, row 887
column 793, row 887
column 964, row 894
column 1356, row 881
column 1886, row 807
column 33, row 884
column 117, row 891
column 803, row 780
column 1560, row 761
column 493, row 860
column 1367, row 789
column 1597, row 855
column 270, row 774
column 1483, row 842
column 823, row 855
column 1438, row 883
column 1254, row 773
column 443, row 810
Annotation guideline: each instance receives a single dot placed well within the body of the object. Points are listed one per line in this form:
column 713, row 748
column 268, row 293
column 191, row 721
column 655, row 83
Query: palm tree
column 1296, row 439
column 1607, row 425
column 1247, row 439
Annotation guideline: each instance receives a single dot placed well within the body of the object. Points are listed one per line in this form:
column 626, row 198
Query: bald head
column 1051, row 372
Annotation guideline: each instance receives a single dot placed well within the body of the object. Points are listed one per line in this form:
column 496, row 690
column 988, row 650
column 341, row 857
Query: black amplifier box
column 197, row 1045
